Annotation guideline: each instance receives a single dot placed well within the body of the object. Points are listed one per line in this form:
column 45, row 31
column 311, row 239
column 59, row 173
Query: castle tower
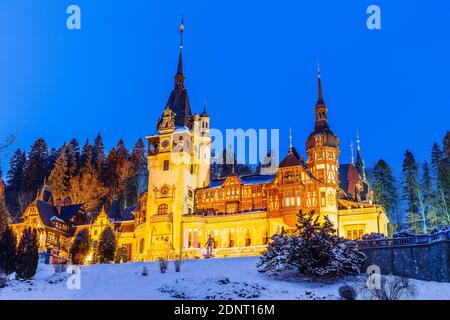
column 322, row 149
column 178, row 163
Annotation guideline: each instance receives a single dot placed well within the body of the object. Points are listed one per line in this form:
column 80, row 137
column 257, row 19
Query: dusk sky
column 253, row 61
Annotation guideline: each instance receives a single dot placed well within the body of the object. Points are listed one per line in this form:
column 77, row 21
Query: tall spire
column 180, row 57
column 321, row 109
column 351, row 151
column 360, row 166
column 357, row 140
column 178, row 100
column 319, row 85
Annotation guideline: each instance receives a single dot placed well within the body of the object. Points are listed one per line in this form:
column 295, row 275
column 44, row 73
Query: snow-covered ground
column 199, row 279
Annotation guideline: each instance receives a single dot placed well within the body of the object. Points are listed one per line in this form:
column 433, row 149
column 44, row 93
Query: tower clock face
column 165, row 143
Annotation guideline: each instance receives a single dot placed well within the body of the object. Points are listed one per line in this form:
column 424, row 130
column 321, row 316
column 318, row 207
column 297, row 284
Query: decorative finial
column 290, row 140
column 351, row 150
column 357, row 139
column 318, row 67
column 181, row 31
column 204, row 104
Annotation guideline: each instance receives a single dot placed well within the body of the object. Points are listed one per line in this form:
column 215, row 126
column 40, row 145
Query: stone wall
column 423, row 261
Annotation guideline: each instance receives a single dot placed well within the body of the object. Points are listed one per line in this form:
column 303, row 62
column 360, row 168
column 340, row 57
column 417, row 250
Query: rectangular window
column 322, row 199
column 166, row 165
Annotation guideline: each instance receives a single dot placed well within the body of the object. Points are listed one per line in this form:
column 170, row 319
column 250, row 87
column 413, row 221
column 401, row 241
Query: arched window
column 163, row 208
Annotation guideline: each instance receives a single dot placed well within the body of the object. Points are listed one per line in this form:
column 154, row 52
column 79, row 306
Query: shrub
column 163, row 264
column 121, row 255
column 440, row 229
column 8, row 243
column 3, row 280
column 347, row 292
column 405, row 233
column 80, row 248
column 374, row 236
column 177, row 263
column 391, row 288
column 313, row 249
column 60, row 268
column 27, row 255
column 107, row 246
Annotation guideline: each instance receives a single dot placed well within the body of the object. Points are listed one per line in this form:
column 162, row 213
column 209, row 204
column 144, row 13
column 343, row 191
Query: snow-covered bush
column 277, row 256
column 144, row 271
column 391, row 288
column 163, row 264
column 313, row 249
column 59, row 267
column 80, row 248
column 404, row 233
column 3, row 280
column 121, row 255
column 27, row 255
column 177, row 263
column 374, row 236
column 107, row 245
column 347, row 292
column 440, row 229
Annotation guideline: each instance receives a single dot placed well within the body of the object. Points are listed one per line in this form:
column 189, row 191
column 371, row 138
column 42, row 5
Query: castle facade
column 184, row 209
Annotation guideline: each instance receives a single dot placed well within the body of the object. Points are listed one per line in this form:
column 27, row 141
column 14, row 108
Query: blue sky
column 254, row 61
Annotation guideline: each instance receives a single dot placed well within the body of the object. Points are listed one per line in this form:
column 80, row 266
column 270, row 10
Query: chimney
column 58, row 205
column 67, row 201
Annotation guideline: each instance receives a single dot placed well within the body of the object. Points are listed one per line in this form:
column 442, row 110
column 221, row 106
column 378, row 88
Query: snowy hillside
column 199, row 279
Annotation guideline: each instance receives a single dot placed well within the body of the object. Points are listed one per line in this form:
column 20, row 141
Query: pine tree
column 107, row 246
column 72, row 159
column 76, row 152
column 385, row 188
column 80, row 248
column 138, row 173
column 36, row 168
column 440, row 174
column 5, row 218
column 27, row 255
column 99, row 157
column 59, row 177
column 8, row 244
column 87, row 158
column 413, row 194
column 52, row 157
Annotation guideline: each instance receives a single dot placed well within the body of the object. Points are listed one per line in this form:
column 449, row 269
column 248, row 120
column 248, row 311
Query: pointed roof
column 180, row 63
column 319, row 88
column 178, row 100
column 290, row 161
column 204, row 114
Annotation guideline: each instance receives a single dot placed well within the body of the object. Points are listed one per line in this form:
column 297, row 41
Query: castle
column 183, row 207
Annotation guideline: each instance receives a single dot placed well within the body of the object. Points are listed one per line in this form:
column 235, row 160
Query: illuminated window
column 354, row 232
column 141, row 246
column 322, row 199
column 163, row 208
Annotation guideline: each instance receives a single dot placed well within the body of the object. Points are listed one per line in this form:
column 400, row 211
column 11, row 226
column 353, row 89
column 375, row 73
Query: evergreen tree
column 76, row 152
column 59, row 177
column 121, row 255
column 87, row 158
column 80, row 248
column 385, row 188
column 413, row 194
column 27, row 255
column 440, row 178
column 99, row 157
column 107, row 245
column 52, row 157
column 15, row 183
column 138, row 173
column 5, row 218
column 8, row 244
column 72, row 159
column 36, row 168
